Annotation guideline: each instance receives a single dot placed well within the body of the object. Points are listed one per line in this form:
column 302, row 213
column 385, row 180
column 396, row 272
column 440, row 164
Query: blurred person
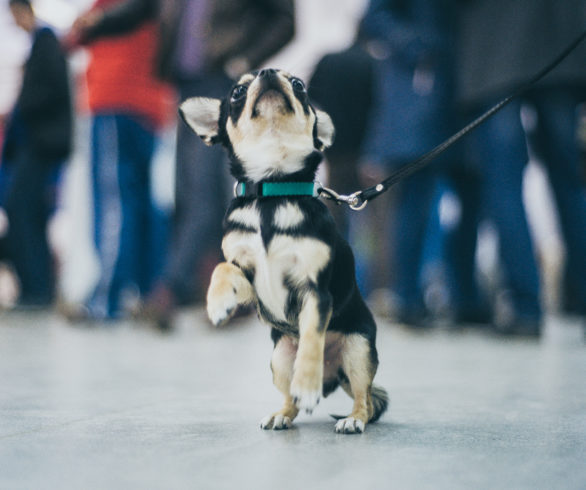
column 342, row 85
column 502, row 43
column 413, row 112
column 129, row 107
column 36, row 143
column 202, row 45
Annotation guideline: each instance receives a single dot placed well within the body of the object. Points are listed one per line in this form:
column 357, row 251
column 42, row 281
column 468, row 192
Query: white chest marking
column 247, row 216
column 287, row 216
column 299, row 259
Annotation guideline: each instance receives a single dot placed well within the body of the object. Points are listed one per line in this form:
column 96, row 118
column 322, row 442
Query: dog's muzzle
column 270, row 82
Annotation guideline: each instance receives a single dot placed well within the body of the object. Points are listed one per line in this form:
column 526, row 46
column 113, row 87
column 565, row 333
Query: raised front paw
column 228, row 289
column 221, row 304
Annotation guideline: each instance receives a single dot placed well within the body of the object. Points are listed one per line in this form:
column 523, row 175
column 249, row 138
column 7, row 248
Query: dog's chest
column 272, row 247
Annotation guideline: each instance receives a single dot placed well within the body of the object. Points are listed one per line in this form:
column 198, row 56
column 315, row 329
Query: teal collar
column 275, row 189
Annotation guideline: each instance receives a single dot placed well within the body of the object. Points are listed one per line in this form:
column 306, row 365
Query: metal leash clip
column 352, row 200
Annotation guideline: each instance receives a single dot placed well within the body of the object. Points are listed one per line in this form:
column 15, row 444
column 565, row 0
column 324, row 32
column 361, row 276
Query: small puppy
column 283, row 253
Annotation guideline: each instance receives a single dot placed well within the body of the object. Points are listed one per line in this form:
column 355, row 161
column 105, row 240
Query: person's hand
column 87, row 20
column 80, row 26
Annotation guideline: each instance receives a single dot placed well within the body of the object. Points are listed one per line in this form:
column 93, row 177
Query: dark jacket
column 502, row 43
column 253, row 29
column 413, row 110
column 342, row 85
column 42, row 116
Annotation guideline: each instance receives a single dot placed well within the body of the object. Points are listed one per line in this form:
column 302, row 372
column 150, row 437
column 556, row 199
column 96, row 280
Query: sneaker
column 520, row 326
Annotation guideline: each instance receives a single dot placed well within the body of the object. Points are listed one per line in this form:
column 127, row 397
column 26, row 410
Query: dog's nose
column 266, row 73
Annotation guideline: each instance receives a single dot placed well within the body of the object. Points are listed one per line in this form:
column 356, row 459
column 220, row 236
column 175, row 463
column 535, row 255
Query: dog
column 282, row 251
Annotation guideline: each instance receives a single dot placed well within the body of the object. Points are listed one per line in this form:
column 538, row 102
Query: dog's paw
column 350, row 425
column 305, row 399
column 228, row 290
column 276, row 421
column 221, row 307
column 306, row 387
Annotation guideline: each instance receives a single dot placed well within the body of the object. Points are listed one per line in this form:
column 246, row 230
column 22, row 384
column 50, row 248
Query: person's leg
column 201, row 200
column 501, row 146
column 107, row 208
column 460, row 249
column 408, row 234
column 121, row 152
column 28, row 211
column 201, row 197
column 156, row 247
column 134, row 162
column 558, row 147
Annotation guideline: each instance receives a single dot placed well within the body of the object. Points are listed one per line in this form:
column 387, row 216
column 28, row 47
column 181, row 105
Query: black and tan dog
column 282, row 250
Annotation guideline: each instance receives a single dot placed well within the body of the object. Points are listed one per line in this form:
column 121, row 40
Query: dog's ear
column 325, row 129
column 202, row 115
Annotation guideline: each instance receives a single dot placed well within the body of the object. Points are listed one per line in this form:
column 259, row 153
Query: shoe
column 411, row 318
column 520, row 326
column 511, row 320
column 33, row 303
column 30, row 308
column 480, row 317
column 159, row 308
column 76, row 314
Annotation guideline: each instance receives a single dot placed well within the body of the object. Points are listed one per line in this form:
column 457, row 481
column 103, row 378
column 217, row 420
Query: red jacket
column 120, row 76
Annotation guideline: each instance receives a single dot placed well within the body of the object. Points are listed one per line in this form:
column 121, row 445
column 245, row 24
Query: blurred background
column 123, row 228
column 70, row 228
column 323, row 28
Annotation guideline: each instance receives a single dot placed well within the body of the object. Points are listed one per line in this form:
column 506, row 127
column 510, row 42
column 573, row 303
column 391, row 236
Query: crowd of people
column 415, row 73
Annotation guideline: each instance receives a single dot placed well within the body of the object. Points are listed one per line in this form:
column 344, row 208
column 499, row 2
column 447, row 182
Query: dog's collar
column 275, row 189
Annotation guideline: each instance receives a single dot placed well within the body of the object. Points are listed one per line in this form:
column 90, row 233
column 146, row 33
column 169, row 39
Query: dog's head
column 267, row 124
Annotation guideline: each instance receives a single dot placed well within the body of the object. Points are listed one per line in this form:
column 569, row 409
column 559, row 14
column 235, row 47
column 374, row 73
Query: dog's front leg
column 228, row 289
column 307, row 384
column 282, row 368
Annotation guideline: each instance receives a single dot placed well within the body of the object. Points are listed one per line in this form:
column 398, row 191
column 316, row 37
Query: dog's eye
column 238, row 93
column 297, row 85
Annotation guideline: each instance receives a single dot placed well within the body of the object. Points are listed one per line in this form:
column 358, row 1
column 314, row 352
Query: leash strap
column 359, row 199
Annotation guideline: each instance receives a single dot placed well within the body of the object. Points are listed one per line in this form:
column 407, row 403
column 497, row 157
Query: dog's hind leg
column 359, row 367
column 282, row 368
column 228, row 289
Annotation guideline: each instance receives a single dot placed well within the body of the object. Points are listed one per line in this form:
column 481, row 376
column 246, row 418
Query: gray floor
column 125, row 407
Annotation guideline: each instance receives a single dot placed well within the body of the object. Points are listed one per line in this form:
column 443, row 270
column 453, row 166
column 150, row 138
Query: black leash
column 359, row 199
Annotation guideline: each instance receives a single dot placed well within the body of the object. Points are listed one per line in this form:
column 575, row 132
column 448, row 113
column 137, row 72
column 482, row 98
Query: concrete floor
column 124, row 407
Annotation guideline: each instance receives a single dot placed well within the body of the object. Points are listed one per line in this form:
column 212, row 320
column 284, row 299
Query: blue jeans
column 502, row 146
column 408, row 235
column 556, row 145
column 130, row 233
column 501, row 149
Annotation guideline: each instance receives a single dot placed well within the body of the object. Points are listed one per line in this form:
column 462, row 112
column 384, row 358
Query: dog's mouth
column 272, row 95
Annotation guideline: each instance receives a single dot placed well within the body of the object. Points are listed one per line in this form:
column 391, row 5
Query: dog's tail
column 380, row 404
